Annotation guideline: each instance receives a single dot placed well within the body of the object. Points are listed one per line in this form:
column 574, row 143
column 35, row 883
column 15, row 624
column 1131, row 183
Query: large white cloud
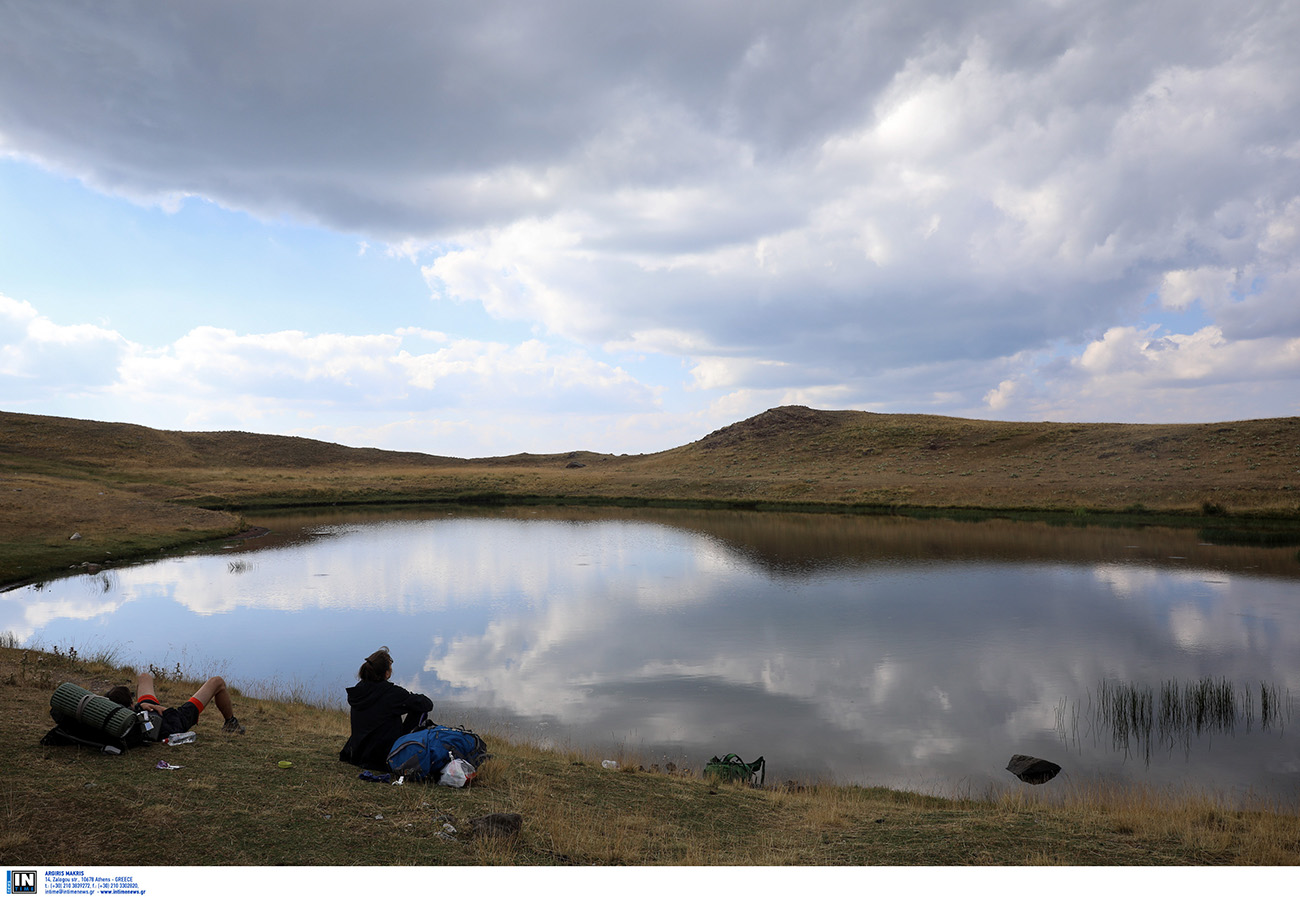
column 377, row 371
column 39, row 358
column 945, row 206
column 333, row 386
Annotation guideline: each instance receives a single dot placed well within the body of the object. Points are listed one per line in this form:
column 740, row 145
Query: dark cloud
column 810, row 193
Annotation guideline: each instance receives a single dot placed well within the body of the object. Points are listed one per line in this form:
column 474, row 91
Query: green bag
column 84, row 718
column 74, row 703
column 733, row 769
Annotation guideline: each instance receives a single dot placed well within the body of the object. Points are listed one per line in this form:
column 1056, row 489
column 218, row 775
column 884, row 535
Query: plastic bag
column 457, row 773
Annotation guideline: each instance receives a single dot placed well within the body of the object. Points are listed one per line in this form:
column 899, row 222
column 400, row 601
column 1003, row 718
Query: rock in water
column 1032, row 770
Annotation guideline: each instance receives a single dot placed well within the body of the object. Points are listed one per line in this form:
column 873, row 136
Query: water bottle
column 181, row 738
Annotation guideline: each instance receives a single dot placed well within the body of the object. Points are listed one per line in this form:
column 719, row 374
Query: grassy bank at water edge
column 232, row 803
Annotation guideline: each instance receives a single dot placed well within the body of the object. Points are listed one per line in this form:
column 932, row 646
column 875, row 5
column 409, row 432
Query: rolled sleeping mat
column 76, row 703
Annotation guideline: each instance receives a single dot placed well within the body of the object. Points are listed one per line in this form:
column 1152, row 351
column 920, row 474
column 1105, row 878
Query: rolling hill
column 128, row 488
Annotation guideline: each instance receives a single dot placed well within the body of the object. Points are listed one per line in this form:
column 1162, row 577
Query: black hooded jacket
column 381, row 713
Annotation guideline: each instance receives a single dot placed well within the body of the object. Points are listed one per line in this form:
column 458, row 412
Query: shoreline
column 1264, row 529
column 234, row 804
column 766, row 540
column 75, row 492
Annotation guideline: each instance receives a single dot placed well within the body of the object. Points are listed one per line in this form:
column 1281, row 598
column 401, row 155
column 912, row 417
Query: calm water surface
column 882, row 651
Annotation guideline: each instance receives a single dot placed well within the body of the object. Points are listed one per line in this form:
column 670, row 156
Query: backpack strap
column 80, row 711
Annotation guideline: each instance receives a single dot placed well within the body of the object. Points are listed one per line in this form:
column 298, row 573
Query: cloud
column 950, row 201
column 370, row 372
column 972, row 211
column 1144, row 375
column 218, row 378
column 39, row 358
column 1203, row 357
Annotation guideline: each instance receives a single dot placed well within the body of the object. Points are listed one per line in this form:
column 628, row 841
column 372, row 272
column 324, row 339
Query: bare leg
column 215, row 690
column 144, row 685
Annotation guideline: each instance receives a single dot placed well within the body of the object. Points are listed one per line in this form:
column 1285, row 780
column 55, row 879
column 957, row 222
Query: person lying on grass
column 182, row 718
column 381, row 713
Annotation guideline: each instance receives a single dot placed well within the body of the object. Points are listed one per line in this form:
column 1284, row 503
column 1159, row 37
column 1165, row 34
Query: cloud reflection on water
column 909, row 653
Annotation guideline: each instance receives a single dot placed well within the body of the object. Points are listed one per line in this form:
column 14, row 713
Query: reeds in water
column 1139, row 717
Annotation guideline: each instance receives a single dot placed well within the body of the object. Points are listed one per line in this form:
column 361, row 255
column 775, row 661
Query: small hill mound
column 776, row 425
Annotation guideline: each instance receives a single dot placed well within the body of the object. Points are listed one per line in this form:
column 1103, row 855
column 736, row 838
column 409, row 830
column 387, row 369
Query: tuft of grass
column 232, row 804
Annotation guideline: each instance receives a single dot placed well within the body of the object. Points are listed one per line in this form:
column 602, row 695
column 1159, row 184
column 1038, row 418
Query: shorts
column 178, row 719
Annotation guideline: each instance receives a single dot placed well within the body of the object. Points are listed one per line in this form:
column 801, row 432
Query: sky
column 481, row 229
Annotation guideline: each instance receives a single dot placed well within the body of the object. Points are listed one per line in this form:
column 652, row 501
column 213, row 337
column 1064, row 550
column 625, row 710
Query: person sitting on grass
column 182, row 718
column 381, row 713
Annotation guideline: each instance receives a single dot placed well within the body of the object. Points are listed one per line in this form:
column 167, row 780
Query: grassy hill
column 128, row 490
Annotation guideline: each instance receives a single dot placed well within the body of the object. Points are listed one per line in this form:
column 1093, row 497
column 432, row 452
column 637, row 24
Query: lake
column 875, row 650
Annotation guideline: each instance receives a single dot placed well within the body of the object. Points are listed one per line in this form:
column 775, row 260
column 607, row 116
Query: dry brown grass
column 232, row 804
column 130, row 490
column 1191, row 822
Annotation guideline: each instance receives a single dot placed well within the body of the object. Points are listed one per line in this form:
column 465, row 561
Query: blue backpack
column 425, row 752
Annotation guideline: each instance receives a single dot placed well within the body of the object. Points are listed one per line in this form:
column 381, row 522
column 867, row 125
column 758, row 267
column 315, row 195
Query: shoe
column 232, row 727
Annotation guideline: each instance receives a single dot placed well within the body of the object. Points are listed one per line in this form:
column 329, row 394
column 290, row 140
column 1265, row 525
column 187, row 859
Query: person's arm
column 417, row 703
